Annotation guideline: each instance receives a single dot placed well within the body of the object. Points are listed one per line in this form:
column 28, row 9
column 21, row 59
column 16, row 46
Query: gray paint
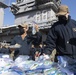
column 31, row 16
column 28, row 10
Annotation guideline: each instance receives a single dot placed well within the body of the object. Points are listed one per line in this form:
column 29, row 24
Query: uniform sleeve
column 50, row 41
column 13, row 42
column 36, row 39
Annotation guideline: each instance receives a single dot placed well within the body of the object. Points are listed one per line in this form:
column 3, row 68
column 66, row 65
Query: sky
column 9, row 17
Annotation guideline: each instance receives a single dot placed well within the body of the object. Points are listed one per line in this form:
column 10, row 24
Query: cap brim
column 20, row 26
column 61, row 13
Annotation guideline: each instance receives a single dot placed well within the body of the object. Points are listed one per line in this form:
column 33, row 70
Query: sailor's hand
column 37, row 54
column 12, row 49
column 37, row 28
column 46, row 57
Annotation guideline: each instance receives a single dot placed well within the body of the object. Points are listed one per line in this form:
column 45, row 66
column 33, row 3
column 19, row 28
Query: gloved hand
column 52, row 56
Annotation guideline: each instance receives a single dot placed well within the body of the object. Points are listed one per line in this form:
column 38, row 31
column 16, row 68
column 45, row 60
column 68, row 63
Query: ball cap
column 25, row 25
column 63, row 9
